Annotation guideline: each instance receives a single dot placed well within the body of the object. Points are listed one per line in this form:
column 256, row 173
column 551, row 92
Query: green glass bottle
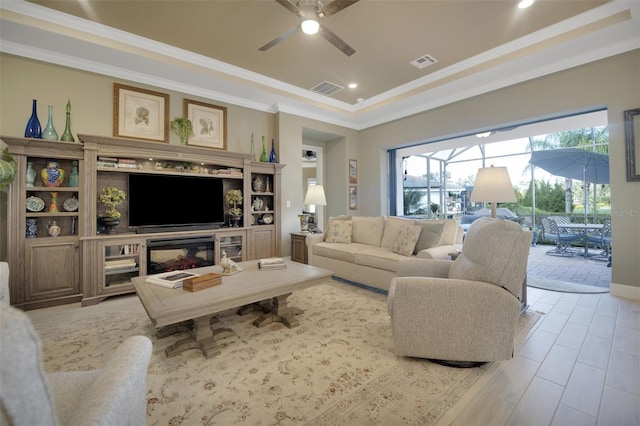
column 67, row 136
column 263, row 155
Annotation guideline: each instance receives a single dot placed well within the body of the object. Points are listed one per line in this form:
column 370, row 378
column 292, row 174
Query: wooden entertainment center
column 83, row 263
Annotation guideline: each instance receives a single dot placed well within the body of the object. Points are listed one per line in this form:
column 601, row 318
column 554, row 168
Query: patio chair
column 551, row 231
column 602, row 240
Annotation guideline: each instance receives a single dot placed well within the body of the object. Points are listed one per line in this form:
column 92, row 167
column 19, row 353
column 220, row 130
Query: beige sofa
column 367, row 250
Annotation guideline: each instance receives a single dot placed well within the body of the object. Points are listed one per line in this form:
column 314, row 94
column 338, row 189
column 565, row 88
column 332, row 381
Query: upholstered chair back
column 24, row 388
column 494, row 251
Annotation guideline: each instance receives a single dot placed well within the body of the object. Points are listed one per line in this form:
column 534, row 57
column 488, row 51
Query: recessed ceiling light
column 525, row 4
column 353, row 85
column 484, row 135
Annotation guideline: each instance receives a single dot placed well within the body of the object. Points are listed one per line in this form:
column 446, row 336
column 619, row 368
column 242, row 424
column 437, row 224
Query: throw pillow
column 406, row 240
column 339, row 231
column 431, row 233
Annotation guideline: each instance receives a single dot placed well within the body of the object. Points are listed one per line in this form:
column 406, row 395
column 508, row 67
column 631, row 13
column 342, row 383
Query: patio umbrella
column 587, row 166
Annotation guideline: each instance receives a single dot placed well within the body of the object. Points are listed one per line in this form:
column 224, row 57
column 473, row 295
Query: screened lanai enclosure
column 435, row 179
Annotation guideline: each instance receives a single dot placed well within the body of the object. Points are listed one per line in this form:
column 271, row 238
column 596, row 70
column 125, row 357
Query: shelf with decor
column 44, row 212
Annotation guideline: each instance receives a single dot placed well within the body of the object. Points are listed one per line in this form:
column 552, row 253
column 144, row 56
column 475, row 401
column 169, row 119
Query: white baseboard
column 626, row 291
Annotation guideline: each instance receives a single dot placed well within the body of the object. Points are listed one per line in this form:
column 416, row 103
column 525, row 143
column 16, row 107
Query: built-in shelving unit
column 84, row 263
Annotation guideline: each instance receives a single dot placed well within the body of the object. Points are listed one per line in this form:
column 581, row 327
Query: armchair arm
column 449, row 319
column 424, row 268
column 310, row 241
column 118, row 395
column 439, row 252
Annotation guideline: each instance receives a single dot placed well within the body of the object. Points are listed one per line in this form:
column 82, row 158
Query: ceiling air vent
column 423, row 61
column 326, row 88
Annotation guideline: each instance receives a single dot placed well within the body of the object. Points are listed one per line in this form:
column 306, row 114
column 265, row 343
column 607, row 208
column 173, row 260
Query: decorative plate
column 35, row 204
column 268, row 218
column 70, row 204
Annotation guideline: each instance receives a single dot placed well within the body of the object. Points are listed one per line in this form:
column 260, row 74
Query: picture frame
column 353, row 171
column 632, row 139
column 140, row 113
column 209, row 124
column 353, row 197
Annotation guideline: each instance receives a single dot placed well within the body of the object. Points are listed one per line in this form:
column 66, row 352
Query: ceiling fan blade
column 281, row 37
column 336, row 6
column 336, row 41
column 291, row 7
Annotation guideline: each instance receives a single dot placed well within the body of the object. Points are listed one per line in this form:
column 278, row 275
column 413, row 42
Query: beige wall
column 612, row 83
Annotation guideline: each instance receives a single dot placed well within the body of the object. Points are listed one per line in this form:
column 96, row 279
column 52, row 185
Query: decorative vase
column 53, row 228
column 273, row 158
column 31, row 175
column 32, row 228
column 109, row 223
column 49, row 131
column 252, row 150
column 53, row 206
column 74, row 178
column 258, row 184
column 33, row 129
column 67, row 136
column 52, row 175
column 263, row 155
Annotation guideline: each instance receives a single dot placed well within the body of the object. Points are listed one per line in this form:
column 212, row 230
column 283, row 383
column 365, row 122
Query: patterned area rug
column 337, row 368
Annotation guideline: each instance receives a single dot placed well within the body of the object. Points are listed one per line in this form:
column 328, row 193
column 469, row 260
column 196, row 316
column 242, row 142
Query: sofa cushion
column 431, row 234
column 344, row 252
column 339, row 231
column 392, row 225
column 379, row 258
column 367, row 230
column 406, row 240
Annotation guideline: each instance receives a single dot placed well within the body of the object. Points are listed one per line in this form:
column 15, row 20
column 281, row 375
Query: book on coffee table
column 171, row 279
column 271, row 263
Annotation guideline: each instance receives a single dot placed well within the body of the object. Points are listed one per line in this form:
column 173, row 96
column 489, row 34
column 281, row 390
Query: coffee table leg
column 174, row 328
column 280, row 312
column 247, row 309
column 202, row 337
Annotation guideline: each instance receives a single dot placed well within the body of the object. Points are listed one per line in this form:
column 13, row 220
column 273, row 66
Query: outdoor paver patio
column 576, row 269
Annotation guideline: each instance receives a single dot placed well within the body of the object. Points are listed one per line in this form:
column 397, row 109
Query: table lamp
column 315, row 196
column 493, row 185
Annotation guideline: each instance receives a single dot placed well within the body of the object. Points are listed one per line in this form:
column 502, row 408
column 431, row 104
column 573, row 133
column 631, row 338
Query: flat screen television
column 174, row 201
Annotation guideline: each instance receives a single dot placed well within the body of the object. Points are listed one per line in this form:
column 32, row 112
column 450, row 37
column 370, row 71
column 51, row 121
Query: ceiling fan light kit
column 310, row 26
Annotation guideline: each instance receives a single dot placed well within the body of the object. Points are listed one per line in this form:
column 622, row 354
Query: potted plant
column 183, row 128
column 233, row 197
column 111, row 197
column 7, row 168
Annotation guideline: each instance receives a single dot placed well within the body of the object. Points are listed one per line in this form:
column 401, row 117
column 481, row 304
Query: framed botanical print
column 209, row 124
column 353, row 171
column 353, row 197
column 140, row 113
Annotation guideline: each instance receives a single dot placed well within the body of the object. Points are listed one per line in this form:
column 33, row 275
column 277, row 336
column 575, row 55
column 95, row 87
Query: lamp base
column 304, row 222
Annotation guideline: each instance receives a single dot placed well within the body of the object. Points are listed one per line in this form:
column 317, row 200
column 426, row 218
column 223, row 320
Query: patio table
column 582, row 228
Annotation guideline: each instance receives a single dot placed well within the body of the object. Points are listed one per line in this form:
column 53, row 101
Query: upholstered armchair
column 113, row 395
column 463, row 312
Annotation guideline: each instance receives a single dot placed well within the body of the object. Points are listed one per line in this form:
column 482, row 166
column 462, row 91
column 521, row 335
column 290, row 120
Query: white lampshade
column 310, row 26
column 493, row 185
column 315, row 195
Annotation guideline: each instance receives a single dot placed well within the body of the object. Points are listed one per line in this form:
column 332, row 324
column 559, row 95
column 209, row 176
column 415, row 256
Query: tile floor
column 578, row 365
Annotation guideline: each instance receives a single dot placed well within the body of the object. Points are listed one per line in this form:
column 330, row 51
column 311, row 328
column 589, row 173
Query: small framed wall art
column 140, row 113
column 353, row 198
column 353, row 171
column 209, row 124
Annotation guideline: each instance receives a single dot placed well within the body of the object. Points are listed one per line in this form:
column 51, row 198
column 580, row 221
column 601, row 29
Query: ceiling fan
column 311, row 11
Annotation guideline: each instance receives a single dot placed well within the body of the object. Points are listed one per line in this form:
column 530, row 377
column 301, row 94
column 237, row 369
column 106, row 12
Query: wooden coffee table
column 175, row 310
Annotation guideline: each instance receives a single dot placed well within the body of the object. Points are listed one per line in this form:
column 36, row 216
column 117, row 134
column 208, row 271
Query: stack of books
column 271, row 263
column 107, row 162
column 116, row 264
column 126, row 163
column 173, row 279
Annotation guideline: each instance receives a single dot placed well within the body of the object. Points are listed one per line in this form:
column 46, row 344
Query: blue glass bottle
column 273, row 158
column 33, row 129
